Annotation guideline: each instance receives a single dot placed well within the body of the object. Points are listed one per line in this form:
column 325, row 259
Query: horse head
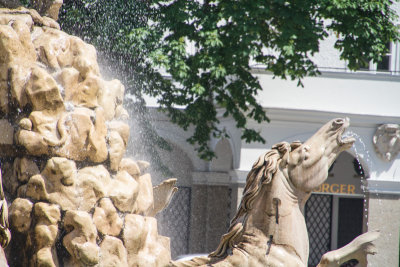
column 306, row 165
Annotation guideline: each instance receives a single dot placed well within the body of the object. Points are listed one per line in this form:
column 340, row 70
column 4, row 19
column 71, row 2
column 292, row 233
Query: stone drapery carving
column 386, row 141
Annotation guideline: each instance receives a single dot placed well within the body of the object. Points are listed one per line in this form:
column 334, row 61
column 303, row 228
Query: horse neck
column 276, row 214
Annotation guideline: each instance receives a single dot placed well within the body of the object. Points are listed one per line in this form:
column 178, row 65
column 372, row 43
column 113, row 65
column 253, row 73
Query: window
column 390, row 62
column 384, row 65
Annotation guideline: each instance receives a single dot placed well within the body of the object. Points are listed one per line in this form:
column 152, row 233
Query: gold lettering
column 342, row 188
column 325, row 188
column 318, row 189
column 350, row 189
column 334, row 188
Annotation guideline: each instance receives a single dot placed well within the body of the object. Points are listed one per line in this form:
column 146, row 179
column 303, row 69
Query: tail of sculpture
column 162, row 195
column 358, row 249
column 196, row 261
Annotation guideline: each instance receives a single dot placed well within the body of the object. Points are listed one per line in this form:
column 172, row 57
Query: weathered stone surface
column 145, row 247
column 48, row 8
column 60, row 177
column 10, row 181
column 21, row 215
column 45, row 233
column 7, row 133
column 43, row 91
column 111, row 97
column 117, row 149
column 66, row 79
column 143, row 166
column 54, row 184
column 144, row 201
column 64, row 113
column 33, row 142
column 130, row 166
column 85, row 93
column 98, row 172
column 121, row 113
column 22, row 14
column 92, row 184
column 35, row 189
column 80, row 241
column 61, row 184
column 24, row 168
column 77, row 135
column 88, row 191
column 97, row 138
column 106, row 218
column 12, row 50
column 76, row 125
column 123, row 191
column 117, row 140
column 122, row 128
column 113, row 253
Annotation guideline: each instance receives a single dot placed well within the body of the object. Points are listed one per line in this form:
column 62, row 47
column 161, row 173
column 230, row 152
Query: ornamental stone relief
column 387, row 141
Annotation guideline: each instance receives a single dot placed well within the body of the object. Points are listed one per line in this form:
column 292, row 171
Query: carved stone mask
column 387, row 141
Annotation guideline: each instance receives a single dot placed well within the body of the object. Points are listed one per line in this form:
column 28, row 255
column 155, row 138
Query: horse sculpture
column 269, row 228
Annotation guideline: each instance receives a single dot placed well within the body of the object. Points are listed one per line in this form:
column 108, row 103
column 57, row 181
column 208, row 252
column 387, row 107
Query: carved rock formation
column 76, row 200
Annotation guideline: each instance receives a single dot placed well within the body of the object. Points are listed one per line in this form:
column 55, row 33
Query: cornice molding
column 383, row 187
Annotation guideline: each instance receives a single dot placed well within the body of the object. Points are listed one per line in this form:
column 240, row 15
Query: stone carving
column 358, row 249
column 80, row 242
column 5, row 234
column 48, row 8
column 386, row 141
column 113, row 253
column 76, row 200
column 45, row 233
column 106, row 218
column 269, row 227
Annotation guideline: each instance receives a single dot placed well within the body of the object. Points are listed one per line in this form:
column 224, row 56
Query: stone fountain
column 77, row 201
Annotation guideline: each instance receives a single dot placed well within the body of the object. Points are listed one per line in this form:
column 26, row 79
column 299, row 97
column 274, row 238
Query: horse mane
column 261, row 173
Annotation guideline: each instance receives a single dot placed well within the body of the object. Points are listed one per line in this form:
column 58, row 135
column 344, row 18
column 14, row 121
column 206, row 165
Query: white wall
column 364, row 94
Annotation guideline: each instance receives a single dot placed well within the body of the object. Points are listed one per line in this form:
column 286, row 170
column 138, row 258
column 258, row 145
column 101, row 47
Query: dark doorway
column 350, row 220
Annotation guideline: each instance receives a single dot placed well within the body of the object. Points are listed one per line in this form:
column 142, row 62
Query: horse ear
column 285, row 158
column 295, row 145
column 283, row 148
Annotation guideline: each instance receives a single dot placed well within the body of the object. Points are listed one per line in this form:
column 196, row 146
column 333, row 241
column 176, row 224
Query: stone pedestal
column 384, row 215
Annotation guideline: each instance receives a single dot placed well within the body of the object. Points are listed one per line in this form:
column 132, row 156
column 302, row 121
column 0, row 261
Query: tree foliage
column 230, row 35
column 227, row 37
